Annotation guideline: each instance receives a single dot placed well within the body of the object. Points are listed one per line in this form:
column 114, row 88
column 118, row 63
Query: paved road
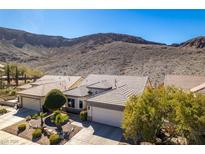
column 97, row 134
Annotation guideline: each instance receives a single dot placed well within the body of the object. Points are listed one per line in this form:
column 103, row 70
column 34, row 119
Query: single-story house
column 33, row 97
column 186, row 82
column 104, row 96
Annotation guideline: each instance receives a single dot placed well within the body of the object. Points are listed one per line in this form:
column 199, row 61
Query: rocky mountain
column 107, row 53
column 198, row 42
column 21, row 38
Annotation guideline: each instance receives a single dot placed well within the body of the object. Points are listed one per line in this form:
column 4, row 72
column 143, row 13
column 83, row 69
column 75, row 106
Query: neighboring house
column 34, row 94
column 104, row 96
column 46, row 79
column 24, row 87
column 55, row 78
column 186, row 82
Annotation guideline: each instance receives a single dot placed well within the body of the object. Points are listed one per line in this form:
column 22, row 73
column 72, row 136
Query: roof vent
column 115, row 83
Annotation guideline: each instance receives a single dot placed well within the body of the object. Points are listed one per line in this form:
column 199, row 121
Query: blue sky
column 165, row 26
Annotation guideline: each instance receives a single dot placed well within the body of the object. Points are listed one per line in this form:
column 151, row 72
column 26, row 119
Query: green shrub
column 54, row 139
column 59, row 118
column 37, row 133
column 7, row 91
column 34, row 116
column 21, row 127
column 12, row 93
column 54, row 100
column 3, row 111
column 45, row 115
column 83, row 115
column 165, row 111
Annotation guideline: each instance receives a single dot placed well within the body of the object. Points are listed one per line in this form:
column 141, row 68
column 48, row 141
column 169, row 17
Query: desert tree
column 54, row 100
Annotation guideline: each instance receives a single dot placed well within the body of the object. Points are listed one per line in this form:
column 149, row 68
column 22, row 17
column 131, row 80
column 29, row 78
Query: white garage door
column 31, row 103
column 107, row 116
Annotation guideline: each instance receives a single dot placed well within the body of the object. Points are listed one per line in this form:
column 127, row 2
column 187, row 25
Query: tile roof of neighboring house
column 25, row 86
column 200, row 88
column 101, row 85
column 44, row 88
column 55, row 78
column 186, row 82
column 119, row 95
column 81, row 91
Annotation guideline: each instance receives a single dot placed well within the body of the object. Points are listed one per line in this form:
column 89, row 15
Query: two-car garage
column 30, row 103
column 106, row 113
column 106, row 116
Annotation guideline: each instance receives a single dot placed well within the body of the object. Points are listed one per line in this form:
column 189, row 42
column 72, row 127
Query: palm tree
column 59, row 119
column 42, row 115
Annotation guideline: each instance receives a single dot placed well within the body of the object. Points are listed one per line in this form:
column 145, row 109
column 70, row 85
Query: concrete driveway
column 8, row 119
column 13, row 116
column 9, row 139
column 97, row 134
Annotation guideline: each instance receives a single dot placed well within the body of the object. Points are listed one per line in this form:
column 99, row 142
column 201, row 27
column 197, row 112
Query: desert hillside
column 107, row 53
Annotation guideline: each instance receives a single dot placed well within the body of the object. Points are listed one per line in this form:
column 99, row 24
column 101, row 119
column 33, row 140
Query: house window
column 71, row 103
column 80, row 104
